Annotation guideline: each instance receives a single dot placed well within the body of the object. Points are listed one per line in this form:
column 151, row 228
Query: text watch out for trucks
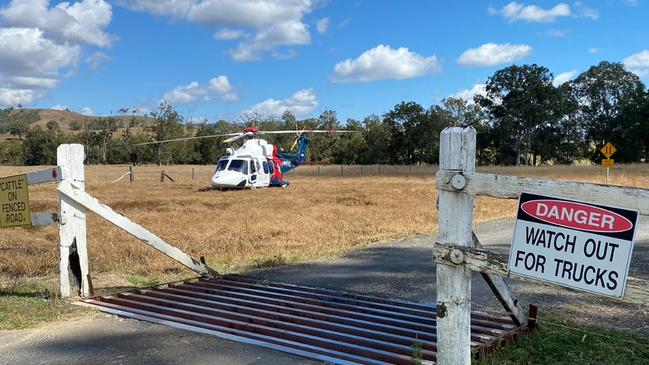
column 580, row 245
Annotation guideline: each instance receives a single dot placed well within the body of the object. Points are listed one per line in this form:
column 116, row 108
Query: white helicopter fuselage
column 250, row 166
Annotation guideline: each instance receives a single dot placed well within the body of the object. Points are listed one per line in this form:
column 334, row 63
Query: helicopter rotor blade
column 307, row 131
column 236, row 137
column 186, row 139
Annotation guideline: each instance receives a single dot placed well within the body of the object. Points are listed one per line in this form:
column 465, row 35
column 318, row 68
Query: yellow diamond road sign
column 14, row 202
column 608, row 150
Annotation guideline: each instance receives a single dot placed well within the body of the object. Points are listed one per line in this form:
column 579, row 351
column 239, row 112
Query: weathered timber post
column 193, row 174
column 162, row 176
column 72, row 231
column 457, row 154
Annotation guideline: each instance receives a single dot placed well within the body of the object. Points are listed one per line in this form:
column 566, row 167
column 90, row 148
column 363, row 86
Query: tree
column 604, row 92
column 167, row 124
column 40, row 146
column 521, row 101
column 377, row 138
column 463, row 114
column 53, row 125
column 18, row 127
column 349, row 147
column 76, row 125
column 106, row 127
column 12, row 153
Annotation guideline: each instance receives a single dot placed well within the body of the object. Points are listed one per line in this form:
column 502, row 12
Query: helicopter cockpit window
column 239, row 165
column 253, row 167
column 266, row 167
column 222, row 164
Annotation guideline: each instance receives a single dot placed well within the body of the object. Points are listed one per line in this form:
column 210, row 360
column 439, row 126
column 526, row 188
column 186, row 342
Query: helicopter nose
column 227, row 181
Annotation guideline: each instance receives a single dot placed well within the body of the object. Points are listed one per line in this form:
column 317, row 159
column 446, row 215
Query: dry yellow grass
column 315, row 218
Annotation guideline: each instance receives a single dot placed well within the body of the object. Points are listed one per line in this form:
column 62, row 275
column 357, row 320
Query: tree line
column 522, row 118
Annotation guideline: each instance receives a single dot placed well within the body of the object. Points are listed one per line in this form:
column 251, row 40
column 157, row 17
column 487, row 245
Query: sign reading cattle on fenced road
column 14, row 202
column 575, row 244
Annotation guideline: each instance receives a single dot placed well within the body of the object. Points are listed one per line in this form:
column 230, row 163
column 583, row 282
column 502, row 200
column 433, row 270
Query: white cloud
column 492, row 54
column 87, row 111
column 301, row 104
column 638, row 63
column 556, row 33
column 80, row 22
column 564, row 77
column 383, row 62
column 33, row 82
column 593, row 50
column 227, row 34
column 217, row 87
column 322, row 25
column 185, row 94
column 274, row 23
column 59, row 107
column 585, row 11
column 221, row 85
column 532, row 13
column 38, row 43
column 290, row 53
column 11, row 97
column 468, row 94
column 281, row 34
column 96, row 60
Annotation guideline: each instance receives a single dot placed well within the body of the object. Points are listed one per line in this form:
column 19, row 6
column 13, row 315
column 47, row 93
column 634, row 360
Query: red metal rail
column 332, row 326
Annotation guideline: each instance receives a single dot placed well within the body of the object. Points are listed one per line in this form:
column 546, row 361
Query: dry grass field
column 314, row 218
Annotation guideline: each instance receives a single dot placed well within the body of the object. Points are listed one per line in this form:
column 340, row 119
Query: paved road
column 400, row 269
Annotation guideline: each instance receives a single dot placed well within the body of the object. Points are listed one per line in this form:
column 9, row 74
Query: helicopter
column 257, row 163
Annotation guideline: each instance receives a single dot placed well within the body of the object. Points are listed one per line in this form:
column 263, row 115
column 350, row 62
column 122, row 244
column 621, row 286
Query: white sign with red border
column 575, row 244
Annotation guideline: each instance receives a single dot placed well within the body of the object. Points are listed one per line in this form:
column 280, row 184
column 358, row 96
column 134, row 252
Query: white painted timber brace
column 500, row 288
column 493, row 263
column 510, row 187
column 72, row 231
column 45, row 219
column 457, row 155
column 44, row 176
column 81, row 198
column 40, row 177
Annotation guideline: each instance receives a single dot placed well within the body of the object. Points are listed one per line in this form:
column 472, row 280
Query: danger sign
column 14, row 202
column 575, row 244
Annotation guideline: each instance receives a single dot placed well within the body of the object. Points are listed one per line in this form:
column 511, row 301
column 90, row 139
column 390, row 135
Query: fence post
column 162, row 176
column 342, row 172
column 72, row 231
column 457, row 153
column 131, row 176
column 192, row 174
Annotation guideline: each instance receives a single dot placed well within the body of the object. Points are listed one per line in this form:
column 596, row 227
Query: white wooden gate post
column 456, row 154
column 72, row 231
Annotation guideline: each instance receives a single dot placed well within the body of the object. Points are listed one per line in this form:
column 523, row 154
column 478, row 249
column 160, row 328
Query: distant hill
column 69, row 121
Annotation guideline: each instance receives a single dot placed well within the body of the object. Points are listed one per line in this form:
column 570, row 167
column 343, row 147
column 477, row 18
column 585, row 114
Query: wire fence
column 364, row 170
column 186, row 173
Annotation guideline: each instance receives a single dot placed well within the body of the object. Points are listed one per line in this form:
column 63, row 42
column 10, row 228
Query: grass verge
column 27, row 306
column 560, row 341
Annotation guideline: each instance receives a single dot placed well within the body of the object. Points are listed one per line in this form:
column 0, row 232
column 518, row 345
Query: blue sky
column 223, row 58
